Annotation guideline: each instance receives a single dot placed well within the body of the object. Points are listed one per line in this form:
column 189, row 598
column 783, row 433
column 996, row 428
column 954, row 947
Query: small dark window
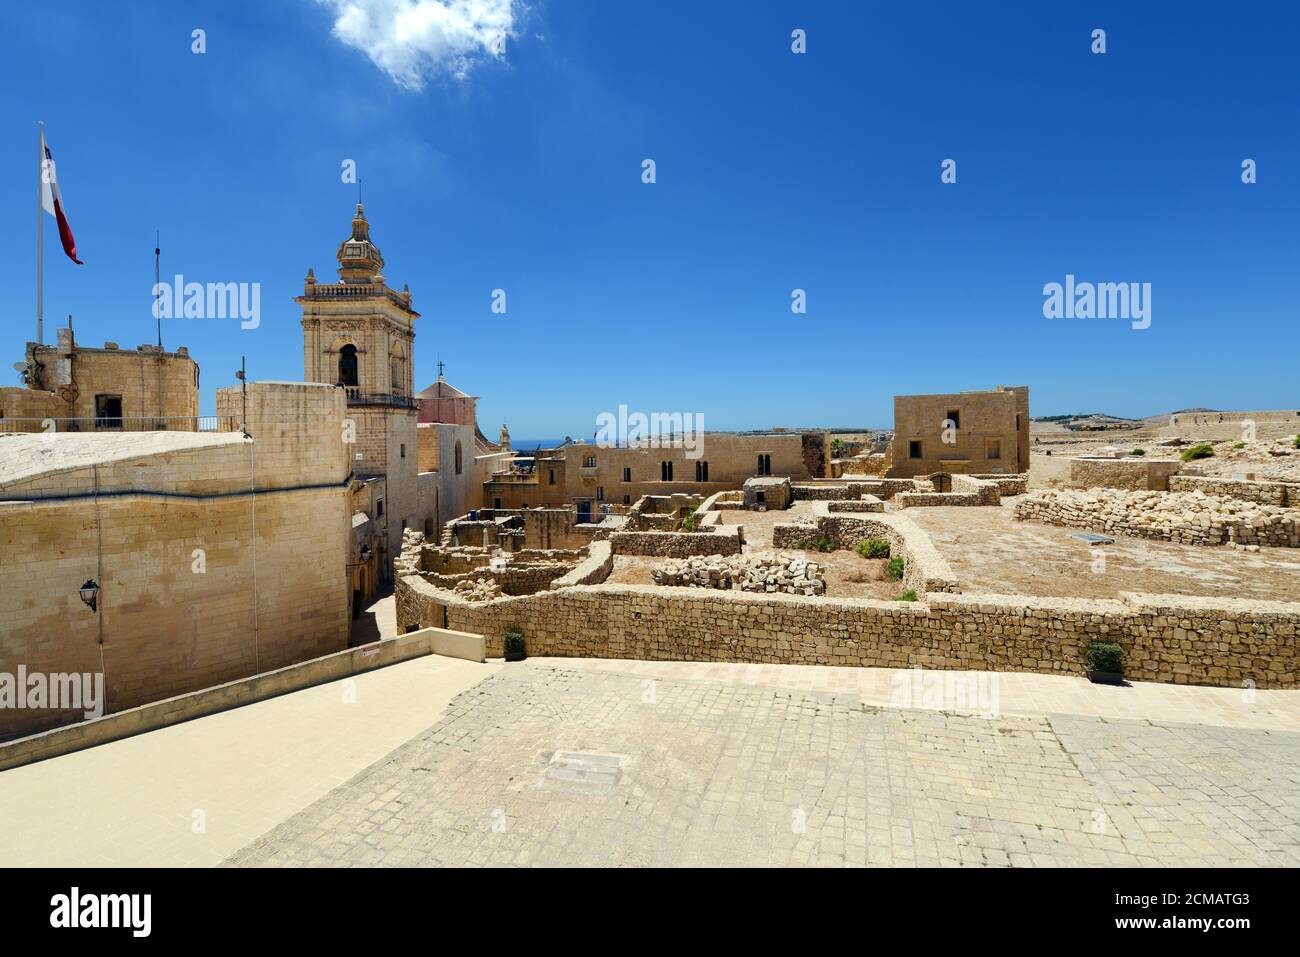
column 627, row 475
column 108, row 411
column 458, row 458
column 403, row 450
column 914, row 449
column 627, row 499
column 665, row 471
column 379, row 508
column 701, row 471
column 589, row 462
column 600, row 493
column 954, row 416
column 552, row 476
column 764, row 463
column 496, row 503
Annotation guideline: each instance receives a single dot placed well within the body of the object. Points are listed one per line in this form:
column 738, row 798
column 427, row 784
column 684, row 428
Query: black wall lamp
column 90, row 594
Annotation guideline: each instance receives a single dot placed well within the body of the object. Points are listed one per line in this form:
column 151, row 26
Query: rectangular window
column 403, row 450
column 108, row 411
column 600, row 493
column 627, row 475
column 764, row 463
column 379, row 508
column 589, row 462
column 914, row 449
column 496, row 503
column 995, row 448
column 552, row 476
column 665, row 471
column 627, row 499
column 954, row 416
column 701, row 471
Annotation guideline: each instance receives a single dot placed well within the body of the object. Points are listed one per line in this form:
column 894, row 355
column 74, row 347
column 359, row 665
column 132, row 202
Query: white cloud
column 411, row 40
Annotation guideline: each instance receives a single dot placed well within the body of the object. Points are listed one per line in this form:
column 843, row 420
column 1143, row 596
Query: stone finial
column 311, row 276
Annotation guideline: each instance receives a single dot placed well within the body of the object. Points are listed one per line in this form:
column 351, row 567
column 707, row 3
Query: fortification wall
column 1164, row 638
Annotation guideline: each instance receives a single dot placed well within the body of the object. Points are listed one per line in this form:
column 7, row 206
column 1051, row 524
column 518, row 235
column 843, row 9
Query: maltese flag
column 52, row 201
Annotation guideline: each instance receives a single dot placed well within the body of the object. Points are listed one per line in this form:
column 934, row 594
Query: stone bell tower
column 359, row 335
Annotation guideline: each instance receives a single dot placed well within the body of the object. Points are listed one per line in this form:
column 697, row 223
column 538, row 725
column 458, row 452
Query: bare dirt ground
column 992, row 552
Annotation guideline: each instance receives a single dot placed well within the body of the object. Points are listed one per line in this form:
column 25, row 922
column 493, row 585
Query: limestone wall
column 924, row 569
column 1265, row 493
column 1128, row 473
column 712, row 540
column 169, row 628
column 1172, row 639
column 868, row 503
column 1188, row 518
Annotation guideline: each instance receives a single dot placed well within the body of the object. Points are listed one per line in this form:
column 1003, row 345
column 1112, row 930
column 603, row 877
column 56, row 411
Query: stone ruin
column 769, row 571
column 1189, row 518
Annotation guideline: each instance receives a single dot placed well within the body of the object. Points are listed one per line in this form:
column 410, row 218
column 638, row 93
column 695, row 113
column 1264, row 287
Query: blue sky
column 775, row 171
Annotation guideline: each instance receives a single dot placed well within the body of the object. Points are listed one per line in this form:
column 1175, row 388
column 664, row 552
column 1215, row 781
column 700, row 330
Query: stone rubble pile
column 760, row 572
column 477, row 589
column 1189, row 518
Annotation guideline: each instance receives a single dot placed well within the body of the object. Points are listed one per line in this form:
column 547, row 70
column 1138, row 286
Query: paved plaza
column 548, row 764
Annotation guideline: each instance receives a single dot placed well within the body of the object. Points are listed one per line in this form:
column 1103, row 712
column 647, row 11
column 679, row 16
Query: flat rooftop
column 29, row 455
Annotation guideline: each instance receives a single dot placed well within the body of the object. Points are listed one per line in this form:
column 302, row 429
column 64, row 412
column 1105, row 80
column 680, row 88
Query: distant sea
column 528, row 445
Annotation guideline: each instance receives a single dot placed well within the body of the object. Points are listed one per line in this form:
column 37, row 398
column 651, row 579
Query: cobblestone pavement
column 554, row 766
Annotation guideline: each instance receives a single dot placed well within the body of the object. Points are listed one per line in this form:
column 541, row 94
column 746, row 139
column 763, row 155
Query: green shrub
column 514, row 640
column 872, row 548
column 896, row 568
column 688, row 525
column 909, row 595
column 837, row 447
column 1105, row 656
column 1296, row 443
column 1201, row 450
column 1138, row 452
column 822, row 543
column 1240, row 445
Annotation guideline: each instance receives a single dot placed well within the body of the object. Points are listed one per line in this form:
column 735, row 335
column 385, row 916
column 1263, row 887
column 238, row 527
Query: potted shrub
column 514, row 645
column 1105, row 663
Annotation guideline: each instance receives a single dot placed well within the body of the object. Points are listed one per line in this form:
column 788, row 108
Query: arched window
column 348, row 365
column 458, row 461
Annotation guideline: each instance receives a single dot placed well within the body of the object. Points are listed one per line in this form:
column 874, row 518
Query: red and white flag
column 52, row 201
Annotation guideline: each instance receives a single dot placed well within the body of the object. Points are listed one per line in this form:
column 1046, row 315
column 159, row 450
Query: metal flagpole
column 40, row 246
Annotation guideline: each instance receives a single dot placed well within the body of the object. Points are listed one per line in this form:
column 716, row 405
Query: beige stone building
column 588, row 476
column 213, row 555
column 963, row 432
column 86, row 389
column 359, row 334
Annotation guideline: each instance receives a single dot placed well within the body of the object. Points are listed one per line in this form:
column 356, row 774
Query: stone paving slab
column 553, row 766
column 1018, row 693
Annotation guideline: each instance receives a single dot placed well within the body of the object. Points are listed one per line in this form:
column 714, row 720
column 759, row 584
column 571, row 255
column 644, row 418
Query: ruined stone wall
column 1265, row 493
column 1187, row 518
column 1147, row 474
column 1164, row 638
column 924, row 569
column 868, row 503
column 711, row 540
